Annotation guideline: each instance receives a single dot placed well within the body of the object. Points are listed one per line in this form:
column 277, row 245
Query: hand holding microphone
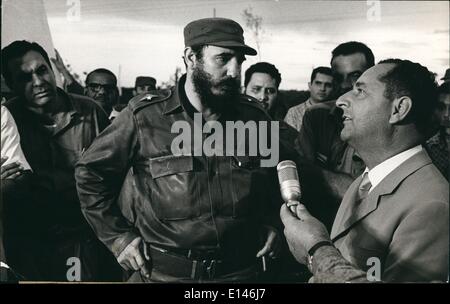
column 302, row 230
column 289, row 184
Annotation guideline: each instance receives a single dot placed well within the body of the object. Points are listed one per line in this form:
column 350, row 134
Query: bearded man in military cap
column 190, row 218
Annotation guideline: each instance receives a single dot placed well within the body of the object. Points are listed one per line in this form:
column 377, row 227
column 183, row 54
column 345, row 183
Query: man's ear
column 189, row 57
column 400, row 109
column 309, row 86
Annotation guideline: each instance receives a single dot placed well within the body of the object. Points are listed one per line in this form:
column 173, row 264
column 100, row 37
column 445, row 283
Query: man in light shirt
column 11, row 151
column 321, row 89
column 393, row 222
column 13, row 169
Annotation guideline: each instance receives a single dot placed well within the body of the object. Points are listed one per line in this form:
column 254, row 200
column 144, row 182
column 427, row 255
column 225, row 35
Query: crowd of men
column 93, row 191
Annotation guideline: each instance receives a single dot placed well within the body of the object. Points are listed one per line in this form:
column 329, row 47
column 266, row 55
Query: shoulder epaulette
column 253, row 103
column 144, row 100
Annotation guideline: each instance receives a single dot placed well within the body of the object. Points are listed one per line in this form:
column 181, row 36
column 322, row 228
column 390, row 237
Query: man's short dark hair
column 18, row 49
column 102, row 71
column 262, row 67
column 353, row 47
column 198, row 52
column 411, row 79
column 321, row 70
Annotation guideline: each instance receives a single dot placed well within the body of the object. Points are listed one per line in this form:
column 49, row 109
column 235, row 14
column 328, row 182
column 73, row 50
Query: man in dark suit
column 393, row 220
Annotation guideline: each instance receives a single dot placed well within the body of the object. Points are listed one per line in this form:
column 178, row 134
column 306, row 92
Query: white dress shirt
column 10, row 140
column 380, row 171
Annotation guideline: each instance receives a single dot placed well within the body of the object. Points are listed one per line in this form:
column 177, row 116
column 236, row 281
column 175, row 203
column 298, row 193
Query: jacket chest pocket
column 173, row 187
column 249, row 185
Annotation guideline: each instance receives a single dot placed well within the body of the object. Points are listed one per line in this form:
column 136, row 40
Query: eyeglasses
column 96, row 87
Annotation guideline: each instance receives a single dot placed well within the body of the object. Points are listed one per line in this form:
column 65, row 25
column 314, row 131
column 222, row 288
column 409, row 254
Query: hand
column 272, row 243
column 11, row 171
column 302, row 231
column 131, row 257
column 58, row 62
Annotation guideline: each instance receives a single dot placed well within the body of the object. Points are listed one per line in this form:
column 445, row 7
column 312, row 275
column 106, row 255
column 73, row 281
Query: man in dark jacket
column 47, row 237
column 194, row 216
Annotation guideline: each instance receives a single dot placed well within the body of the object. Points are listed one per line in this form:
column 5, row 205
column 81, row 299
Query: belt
column 206, row 267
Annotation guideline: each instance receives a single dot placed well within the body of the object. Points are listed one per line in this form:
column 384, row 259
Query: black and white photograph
column 237, row 144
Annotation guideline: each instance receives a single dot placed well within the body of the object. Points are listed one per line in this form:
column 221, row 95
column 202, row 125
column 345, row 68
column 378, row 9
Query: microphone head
column 289, row 181
column 287, row 170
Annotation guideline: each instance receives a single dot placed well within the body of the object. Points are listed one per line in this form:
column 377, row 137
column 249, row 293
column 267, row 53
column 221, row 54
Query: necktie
column 364, row 187
column 352, row 213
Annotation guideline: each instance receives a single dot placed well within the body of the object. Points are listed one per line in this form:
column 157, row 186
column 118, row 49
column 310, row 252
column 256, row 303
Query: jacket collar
column 64, row 118
column 180, row 102
column 61, row 119
column 349, row 213
column 174, row 103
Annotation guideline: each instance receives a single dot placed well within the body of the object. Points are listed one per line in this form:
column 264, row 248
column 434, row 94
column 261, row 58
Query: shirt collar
column 180, row 101
column 64, row 118
column 184, row 100
column 380, row 171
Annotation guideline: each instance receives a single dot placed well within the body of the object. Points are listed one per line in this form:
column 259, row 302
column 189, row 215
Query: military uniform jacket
column 180, row 201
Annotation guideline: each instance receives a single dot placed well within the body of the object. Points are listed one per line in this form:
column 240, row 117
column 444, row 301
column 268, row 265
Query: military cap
column 145, row 80
column 218, row 32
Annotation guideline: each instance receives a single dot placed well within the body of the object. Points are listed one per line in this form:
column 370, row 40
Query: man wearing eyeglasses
column 101, row 85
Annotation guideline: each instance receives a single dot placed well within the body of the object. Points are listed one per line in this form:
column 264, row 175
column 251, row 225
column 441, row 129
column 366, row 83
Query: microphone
column 289, row 184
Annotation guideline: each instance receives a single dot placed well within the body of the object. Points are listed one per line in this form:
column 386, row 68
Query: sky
column 145, row 37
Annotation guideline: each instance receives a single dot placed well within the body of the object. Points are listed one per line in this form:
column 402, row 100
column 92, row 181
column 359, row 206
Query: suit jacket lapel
column 350, row 212
column 346, row 208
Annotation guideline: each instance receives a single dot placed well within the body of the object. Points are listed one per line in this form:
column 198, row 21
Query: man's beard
column 228, row 89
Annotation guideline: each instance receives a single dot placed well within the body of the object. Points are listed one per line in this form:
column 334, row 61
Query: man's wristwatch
column 313, row 250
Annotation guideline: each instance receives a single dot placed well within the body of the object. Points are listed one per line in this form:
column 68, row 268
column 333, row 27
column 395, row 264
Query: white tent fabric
column 27, row 20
